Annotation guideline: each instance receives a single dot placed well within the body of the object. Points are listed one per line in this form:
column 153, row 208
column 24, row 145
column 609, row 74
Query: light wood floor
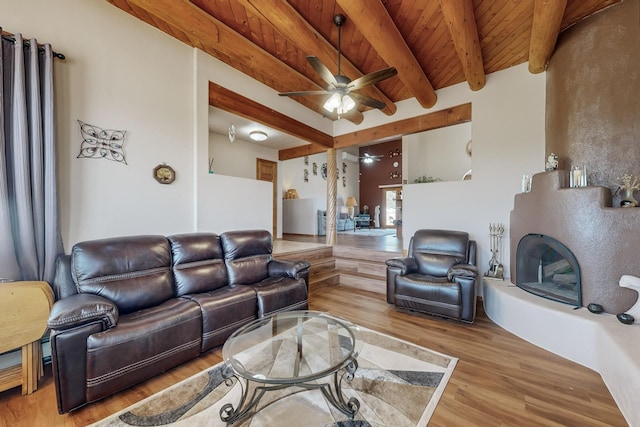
column 500, row 380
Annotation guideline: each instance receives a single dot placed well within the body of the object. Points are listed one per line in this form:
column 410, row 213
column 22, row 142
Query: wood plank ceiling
column 433, row 43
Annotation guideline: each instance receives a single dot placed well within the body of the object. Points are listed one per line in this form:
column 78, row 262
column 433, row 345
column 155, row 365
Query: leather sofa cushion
column 247, row 254
column 277, row 294
column 114, row 269
column 223, row 311
column 143, row 344
column 198, row 264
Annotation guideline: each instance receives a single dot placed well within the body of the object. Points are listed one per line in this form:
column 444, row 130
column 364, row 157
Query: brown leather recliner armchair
column 439, row 276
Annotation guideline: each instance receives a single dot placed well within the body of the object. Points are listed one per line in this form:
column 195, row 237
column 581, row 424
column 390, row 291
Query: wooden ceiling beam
column 375, row 24
column 460, row 19
column 235, row 103
column 197, row 24
column 547, row 17
column 439, row 119
column 287, row 21
column 429, row 121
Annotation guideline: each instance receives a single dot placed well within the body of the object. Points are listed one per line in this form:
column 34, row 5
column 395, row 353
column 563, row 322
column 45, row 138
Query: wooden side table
column 24, row 311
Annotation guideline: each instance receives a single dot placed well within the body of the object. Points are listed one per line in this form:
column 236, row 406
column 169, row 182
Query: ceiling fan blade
column 369, row 102
column 372, row 78
column 322, row 70
column 304, row 93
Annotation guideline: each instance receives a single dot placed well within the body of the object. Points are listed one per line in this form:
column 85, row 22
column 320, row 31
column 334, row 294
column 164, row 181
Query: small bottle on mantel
column 540, row 275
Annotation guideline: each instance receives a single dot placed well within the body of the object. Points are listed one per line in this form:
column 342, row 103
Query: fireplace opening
column 547, row 268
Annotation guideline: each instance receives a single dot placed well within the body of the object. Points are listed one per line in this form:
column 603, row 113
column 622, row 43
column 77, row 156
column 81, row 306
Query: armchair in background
column 439, row 276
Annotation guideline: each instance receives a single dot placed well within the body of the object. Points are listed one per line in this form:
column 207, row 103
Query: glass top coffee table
column 291, row 349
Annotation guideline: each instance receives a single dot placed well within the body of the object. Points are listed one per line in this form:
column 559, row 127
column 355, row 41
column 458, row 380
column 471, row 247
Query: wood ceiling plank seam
column 506, row 34
column 514, row 53
column 444, row 58
column 498, row 24
column 406, row 15
column 428, row 49
column 423, row 26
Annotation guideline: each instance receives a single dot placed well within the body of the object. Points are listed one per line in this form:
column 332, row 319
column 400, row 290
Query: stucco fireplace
column 603, row 239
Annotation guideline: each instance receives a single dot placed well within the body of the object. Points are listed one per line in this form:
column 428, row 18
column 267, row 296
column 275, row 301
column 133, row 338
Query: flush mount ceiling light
column 258, row 135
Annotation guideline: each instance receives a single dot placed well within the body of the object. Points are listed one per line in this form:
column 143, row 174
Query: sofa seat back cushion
column 134, row 271
column 198, row 263
column 144, row 344
column 429, row 294
column 276, row 294
column 247, row 255
column 223, row 311
column 436, row 251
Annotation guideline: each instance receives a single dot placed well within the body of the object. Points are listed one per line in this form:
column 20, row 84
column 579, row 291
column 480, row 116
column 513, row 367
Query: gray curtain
column 30, row 238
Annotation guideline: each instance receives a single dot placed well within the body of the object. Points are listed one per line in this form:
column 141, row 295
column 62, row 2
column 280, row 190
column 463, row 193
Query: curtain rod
column 40, row 49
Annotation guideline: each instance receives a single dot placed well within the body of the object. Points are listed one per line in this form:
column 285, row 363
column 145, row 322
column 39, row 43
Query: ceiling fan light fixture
column 346, row 105
column 333, row 102
column 339, row 103
column 258, row 135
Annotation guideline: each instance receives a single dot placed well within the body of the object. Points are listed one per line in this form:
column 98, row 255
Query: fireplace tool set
column 496, row 270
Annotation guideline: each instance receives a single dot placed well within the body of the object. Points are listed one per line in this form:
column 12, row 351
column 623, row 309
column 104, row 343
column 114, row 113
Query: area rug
column 370, row 232
column 397, row 383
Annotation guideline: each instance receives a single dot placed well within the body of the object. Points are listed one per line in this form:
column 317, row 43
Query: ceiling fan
column 341, row 90
column 370, row 158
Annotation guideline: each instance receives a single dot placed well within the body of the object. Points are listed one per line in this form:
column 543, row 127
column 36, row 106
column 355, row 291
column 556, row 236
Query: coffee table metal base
column 331, row 391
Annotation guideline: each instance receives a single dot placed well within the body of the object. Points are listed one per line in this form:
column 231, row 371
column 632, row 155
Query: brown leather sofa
column 439, row 276
column 132, row 307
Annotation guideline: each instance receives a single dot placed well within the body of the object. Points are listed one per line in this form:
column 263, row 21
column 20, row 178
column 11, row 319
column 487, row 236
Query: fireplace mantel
column 604, row 239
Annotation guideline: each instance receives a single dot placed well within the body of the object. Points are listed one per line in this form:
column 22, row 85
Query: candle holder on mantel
column 496, row 270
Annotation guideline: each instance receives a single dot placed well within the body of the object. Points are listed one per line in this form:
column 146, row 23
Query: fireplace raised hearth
column 547, row 268
column 603, row 239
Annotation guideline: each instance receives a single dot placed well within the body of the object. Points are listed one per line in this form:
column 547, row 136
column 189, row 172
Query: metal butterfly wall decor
column 102, row 143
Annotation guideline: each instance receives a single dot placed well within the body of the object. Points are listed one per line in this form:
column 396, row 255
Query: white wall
column 292, row 176
column 118, row 74
column 439, row 153
column 237, row 158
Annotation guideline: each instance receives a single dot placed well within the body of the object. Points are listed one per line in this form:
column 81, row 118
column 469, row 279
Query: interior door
column 267, row 170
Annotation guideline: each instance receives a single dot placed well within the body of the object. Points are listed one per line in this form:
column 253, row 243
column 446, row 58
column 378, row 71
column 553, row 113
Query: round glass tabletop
column 292, row 347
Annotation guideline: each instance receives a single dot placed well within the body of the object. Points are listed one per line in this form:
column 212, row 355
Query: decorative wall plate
column 164, row 174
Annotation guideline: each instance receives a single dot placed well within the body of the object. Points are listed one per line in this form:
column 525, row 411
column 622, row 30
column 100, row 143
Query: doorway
column 266, row 170
column 391, row 206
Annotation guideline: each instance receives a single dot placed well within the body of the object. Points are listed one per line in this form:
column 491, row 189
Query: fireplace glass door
column 547, row 268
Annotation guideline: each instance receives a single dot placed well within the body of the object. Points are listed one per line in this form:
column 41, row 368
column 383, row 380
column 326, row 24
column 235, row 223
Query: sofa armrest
column 80, row 309
column 288, row 268
column 462, row 270
column 404, row 265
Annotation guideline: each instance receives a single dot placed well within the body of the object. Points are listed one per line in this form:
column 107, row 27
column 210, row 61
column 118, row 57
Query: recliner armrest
column 287, row 268
column 406, row 265
column 80, row 309
column 462, row 270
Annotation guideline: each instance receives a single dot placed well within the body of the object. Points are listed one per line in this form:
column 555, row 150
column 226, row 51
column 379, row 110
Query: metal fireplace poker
column 496, row 270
